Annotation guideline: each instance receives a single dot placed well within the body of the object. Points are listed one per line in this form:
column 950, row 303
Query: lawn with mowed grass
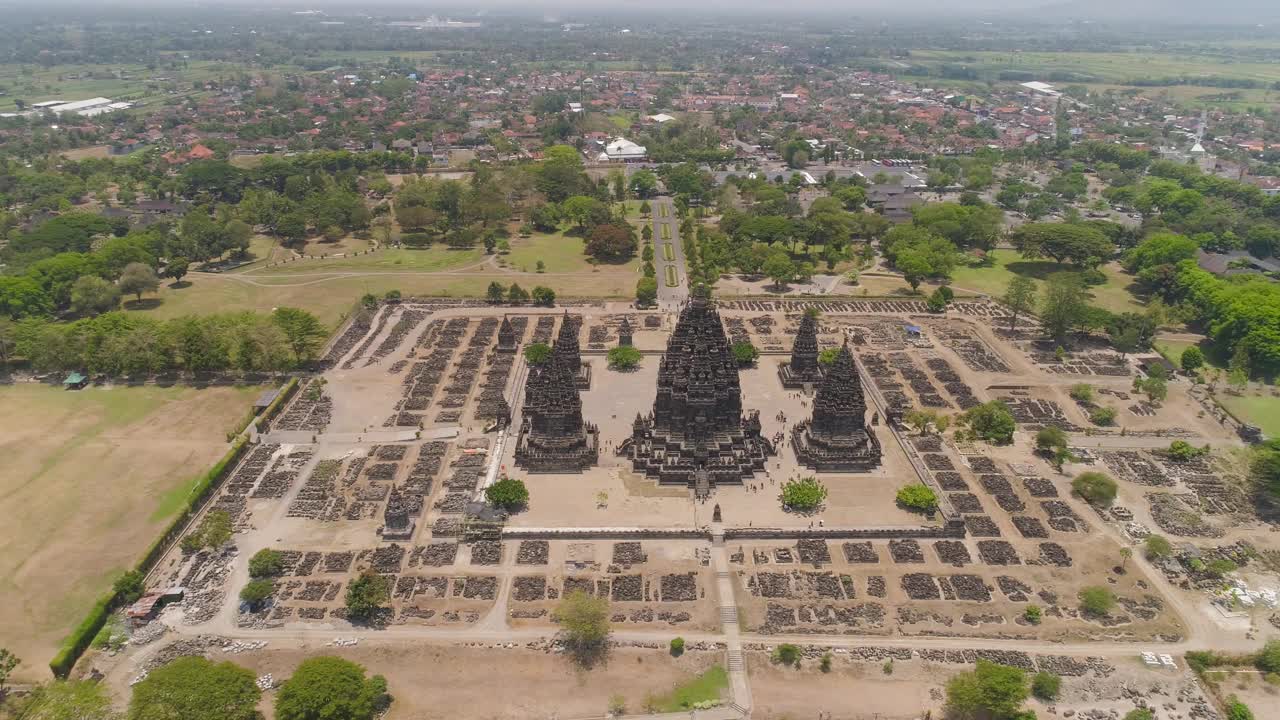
column 1261, row 410
column 706, row 687
column 993, row 279
column 90, row 479
column 435, row 258
column 559, row 253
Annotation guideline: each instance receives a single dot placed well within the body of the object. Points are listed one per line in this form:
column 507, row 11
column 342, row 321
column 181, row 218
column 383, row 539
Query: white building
column 622, row 150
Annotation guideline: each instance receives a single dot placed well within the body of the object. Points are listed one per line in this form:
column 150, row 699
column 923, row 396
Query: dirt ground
column 442, row 681
column 88, row 479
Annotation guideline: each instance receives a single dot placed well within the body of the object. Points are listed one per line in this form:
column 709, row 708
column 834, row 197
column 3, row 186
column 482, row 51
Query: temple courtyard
column 659, row 487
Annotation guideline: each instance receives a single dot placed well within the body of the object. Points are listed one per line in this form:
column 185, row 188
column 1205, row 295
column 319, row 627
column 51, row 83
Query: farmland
column 90, row 478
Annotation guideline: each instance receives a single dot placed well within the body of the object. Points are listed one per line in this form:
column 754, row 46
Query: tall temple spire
column 836, row 438
column 569, row 350
column 803, row 368
column 697, row 434
column 553, row 436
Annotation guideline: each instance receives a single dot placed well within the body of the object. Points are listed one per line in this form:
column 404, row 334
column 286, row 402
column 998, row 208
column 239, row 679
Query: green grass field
column 90, row 478
column 559, row 253
column 1261, row 410
column 1113, row 67
column 128, row 82
column 433, row 259
column 706, row 687
column 993, row 279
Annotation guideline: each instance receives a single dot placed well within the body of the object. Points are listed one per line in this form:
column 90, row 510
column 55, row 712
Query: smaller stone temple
column 396, row 524
column 624, row 333
column 553, row 437
column 803, row 369
column 836, row 438
column 507, row 342
column 570, row 352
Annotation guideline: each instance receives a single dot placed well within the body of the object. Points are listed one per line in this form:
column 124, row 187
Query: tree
column 1095, row 487
column 1237, row 710
column 677, row 646
column 584, row 620
column 507, row 493
column 646, row 291
column 937, row 301
column 1033, row 614
column 645, row 208
column 543, row 296
column 266, row 563
column 991, row 421
column 302, row 331
column 177, row 269
column 624, row 357
column 367, row 594
column 1050, row 438
column 1046, row 686
column 537, row 353
column 610, row 242
column 1063, row 305
column 194, row 688
column 745, row 353
column 1019, row 297
column 1157, row 547
column 988, row 691
column 91, row 295
column 780, row 269
column 1097, row 601
column 1182, row 451
column 137, row 279
column 330, row 688
column 128, row 587
column 1140, row 714
column 803, row 495
column 918, row 497
column 1268, row 659
column 495, row 293
column 255, row 591
column 1192, row 359
column 8, row 662
column 787, row 654
column 1081, row 245
column 64, row 700
column 517, row 295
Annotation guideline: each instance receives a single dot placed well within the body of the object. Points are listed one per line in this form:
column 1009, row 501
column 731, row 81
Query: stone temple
column 553, row 437
column 836, row 438
column 803, row 369
column 697, row 434
column 569, row 351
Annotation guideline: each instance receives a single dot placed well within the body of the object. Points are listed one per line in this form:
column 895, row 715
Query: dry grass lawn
column 88, row 480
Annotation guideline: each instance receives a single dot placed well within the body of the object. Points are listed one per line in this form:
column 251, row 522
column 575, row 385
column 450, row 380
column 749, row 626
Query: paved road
column 664, row 216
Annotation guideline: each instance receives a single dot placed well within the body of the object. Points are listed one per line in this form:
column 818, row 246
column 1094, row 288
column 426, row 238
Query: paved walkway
column 739, row 687
column 664, row 216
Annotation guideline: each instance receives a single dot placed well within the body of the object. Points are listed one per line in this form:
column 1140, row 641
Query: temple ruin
column 697, row 434
column 803, row 369
column 553, row 437
column 836, row 438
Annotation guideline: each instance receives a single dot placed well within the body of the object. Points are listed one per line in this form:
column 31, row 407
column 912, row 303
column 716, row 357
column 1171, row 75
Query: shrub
column 1097, row 601
column 1046, row 686
column 677, row 646
column 537, row 353
column 1033, row 614
column 1182, row 451
column 1157, row 547
column 543, row 296
column 918, row 497
column 989, row 690
column 1237, row 710
column 745, row 353
column 1095, row 487
column 507, row 493
column 257, row 590
column 1140, row 714
column 828, row 356
column 1102, row 415
column 787, row 654
column 266, row 563
column 804, row 494
column 1082, row 393
column 1192, row 359
column 129, row 586
column 825, row 663
column 1220, row 567
column 1268, row 659
column 624, row 357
